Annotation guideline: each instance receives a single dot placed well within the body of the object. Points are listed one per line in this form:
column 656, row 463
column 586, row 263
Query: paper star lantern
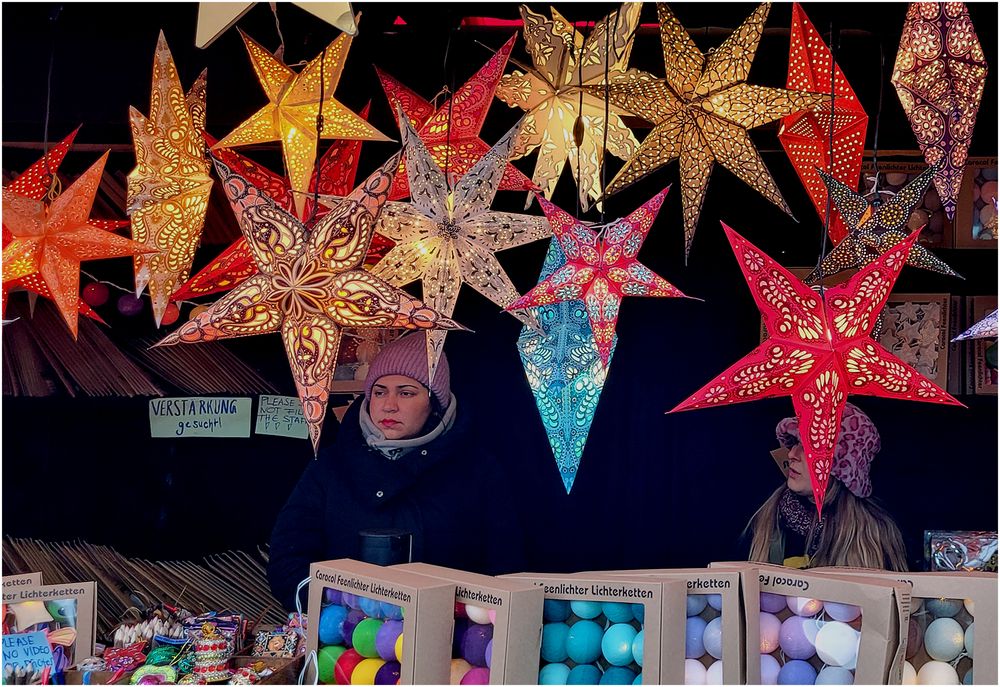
column 53, row 240
column 805, row 136
column 293, row 107
column 601, row 268
column 447, row 236
column 463, row 114
column 939, row 76
column 550, row 94
column 820, row 350
column 702, row 112
column 986, row 328
column 310, row 285
column 876, row 226
column 565, row 373
column 169, row 187
column 215, row 18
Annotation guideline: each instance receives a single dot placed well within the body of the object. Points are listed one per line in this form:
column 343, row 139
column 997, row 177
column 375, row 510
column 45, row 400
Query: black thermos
column 386, row 546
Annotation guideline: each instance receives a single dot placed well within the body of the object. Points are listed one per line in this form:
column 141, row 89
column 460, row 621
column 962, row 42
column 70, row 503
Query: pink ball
column 770, row 627
column 477, row 676
column 95, row 294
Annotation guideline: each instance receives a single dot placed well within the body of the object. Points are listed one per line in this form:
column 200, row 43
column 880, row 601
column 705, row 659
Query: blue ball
column 554, row 642
column 638, row 679
column 331, row 625
column 943, row 608
column 696, row 604
column 584, row 674
column 637, row 647
column 797, row 673
column 832, row 675
column 370, row 607
column 617, row 612
column 639, row 612
column 715, row 601
column 585, row 609
column 616, row 645
column 694, row 639
column 967, row 680
column 390, row 611
column 553, row 674
column 583, row 643
column 555, row 611
column 712, row 638
column 617, row 675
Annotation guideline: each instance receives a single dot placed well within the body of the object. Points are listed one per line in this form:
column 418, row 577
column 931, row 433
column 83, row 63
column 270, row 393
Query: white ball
column 845, row 613
column 712, row 637
column 478, row 614
column 837, row 645
column 714, row 675
column 970, row 639
column 769, row 669
column 695, row 673
column 909, row 674
column 835, row 676
column 937, row 673
column 944, row 639
column 802, row 606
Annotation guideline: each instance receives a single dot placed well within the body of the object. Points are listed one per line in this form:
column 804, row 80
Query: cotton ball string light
column 831, row 675
column 943, row 608
column 909, row 674
column 95, row 294
column 695, row 673
column 845, row 613
column 837, row 645
column 802, row 606
column 937, row 673
column 944, row 639
column 712, row 638
column 714, row 674
column 770, row 627
column 796, row 672
column 970, row 639
column 769, row 668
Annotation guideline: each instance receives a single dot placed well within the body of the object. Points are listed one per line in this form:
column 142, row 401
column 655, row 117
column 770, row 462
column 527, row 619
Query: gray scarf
column 394, row 449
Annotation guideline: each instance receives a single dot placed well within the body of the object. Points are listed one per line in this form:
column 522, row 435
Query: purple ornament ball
column 489, row 654
column 797, row 637
column 129, row 305
column 474, row 643
column 332, row 596
column 385, row 639
column 461, row 625
column 771, row 603
column 388, row 674
column 354, row 616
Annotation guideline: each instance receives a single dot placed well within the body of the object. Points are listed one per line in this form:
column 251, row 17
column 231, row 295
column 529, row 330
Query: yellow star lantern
column 295, row 104
column 168, row 189
column 565, row 64
column 701, row 114
column 53, row 240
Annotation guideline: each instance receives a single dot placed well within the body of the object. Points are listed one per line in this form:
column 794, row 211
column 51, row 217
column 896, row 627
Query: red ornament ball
column 129, row 305
column 171, row 314
column 95, row 294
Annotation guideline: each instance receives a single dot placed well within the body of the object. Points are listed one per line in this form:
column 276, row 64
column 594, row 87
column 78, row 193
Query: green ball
column 363, row 639
column 328, row 656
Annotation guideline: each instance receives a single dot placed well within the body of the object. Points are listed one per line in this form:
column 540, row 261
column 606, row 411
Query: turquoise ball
column 584, row 674
column 585, row 609
column 616, row 645
column 583, row 643
column 554, row 642
column 617, row 675
column 637, row 646
column 617, row 612
column 553, row 674
column 555, row 611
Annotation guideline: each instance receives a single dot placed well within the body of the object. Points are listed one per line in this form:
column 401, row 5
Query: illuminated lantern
column 986, row 328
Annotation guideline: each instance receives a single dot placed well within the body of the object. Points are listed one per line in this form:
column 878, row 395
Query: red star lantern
column 820, row 350
column 460, row 148
column 805, row 135
column 601, row 268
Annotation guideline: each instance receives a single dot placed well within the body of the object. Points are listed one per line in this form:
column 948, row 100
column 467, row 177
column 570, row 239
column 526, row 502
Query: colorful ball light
column 797, row 637
column 583, row 643
column 769, row 669
column 385, row 640
column 771, row 603
column 170, row 314
column 554, row 642
column 712, row 638
column 696, row 604
column 555, row 611
column 937, row 673
column 617, row 612
column 909, row 674
column 694, row 672
column 585, row 609
column 388, row 674
column 694, row 639
column 553, row 674
column 638, row 647
column 837, row 645
column 129, row 305
column 831, row 675
column 477, row 614
column 944, row 608
column 715, row 675
column 474, row 643
column 845, row 613
column 95, row 294
column 796, row 672
column 345, row 666
column 584, row 674
column 617, row 675
column 770, row 627
column 365, row 672
column 331, row 624
column 616, row 645
column 459, row 667
column 805, row 607
column 477, row 676
column 327, row 659
column 944, row 639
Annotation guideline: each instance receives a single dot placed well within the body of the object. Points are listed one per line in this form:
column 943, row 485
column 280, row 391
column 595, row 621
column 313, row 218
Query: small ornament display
column 360, row 640
column 211, row 655
column 956, row 550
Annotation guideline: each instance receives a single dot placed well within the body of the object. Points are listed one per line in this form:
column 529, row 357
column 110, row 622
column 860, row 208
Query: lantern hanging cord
column 280, row 52
column 318, row 164
column 578, row 129
column 131, row 292
column 878, row 115
column 450, row 90
column 834, row 38
column 55, row 187
column 607, row 111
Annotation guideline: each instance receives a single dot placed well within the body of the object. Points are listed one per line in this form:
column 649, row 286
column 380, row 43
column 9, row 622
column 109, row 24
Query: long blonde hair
column 856, row 532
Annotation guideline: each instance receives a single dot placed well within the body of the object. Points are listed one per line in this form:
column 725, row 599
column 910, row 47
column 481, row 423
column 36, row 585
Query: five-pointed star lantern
column 169, row 187
column 566, row 64
column 215, row 18
column 701, row 113
column 565, row 373
column 875, row 226
column 805, row 135
column 34, row 183
column 310, row 285
column 820, row 350
column 293, row 108
column 601, row 268
column 939, row 75
column 447, row 235
column 451, row 132
column 52, row 240
column 986, row 328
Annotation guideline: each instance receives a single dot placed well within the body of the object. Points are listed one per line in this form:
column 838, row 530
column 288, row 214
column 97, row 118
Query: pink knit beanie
column 408, row 356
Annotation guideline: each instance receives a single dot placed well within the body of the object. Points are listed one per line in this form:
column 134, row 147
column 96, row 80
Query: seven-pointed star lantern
column 447, row 235
column 53, row 240
column 601, row 268
column 876, row 226
column 451, row 132
column 169, row 187
column 565, row 64
column 819, row 351
column 939, row 75
column 805, row 135
column 293, row 107
column 310, row 285
column 701, row 113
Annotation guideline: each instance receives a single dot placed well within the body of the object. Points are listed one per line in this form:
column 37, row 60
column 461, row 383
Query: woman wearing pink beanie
column 854, row 531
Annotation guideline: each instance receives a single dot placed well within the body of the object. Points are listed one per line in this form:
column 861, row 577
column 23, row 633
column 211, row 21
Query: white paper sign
column 199, row 416
column 281, row 416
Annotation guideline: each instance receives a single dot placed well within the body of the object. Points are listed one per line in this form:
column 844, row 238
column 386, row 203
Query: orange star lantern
column 52, row 240
column 819, row 351
column 293, row 108
column 805, row 135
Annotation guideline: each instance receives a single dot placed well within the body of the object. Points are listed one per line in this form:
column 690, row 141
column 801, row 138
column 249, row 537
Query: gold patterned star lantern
column 169, row 187
column 293, row 107
column 215, row 18
column 447, row 236
column 702, row 112
column 565, row 64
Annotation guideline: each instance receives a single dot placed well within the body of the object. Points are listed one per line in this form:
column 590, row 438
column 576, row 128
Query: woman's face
column 399, row 406
column 798, row 472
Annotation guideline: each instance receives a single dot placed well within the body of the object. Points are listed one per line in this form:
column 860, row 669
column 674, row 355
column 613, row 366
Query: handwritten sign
column 199, row 416
column 281, row 416
column 28, row 647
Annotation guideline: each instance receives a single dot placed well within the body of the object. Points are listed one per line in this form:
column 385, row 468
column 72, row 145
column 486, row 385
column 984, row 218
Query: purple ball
column 474, row 643
column 477, row 676
column 350, row 600
column 797, row 637
column 385, row 639
column 354, row 616
column 129, row 305
column 332, row 596
column 388, row 674
column 489, row 654
column 461, row 625
column 769, row 668
column 771, row 603
column 797, row 673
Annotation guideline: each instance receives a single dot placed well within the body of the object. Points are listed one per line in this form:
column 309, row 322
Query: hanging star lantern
column 939, row 75
column 702, row 112
column 566, row 64
column 820, row 350
column 876, row 226
column 805, row 135
column 451, row 132
column 310, row 285
column 601, row 268
column 215, row 18
column 291, row 115
column 447, row 236
column 565, row 373
column 169, row 187
column 52, row 240
column 986, row 328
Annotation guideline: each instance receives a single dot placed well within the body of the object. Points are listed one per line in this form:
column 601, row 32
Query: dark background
column 653, row 489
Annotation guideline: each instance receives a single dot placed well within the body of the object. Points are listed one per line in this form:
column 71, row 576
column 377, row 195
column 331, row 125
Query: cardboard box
column 12, row 582
column 286, row 670
column 884, row 620
column 660, row 600
column 85, row 596
column 517, row 628
column 976, row 590
column 428, row 608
